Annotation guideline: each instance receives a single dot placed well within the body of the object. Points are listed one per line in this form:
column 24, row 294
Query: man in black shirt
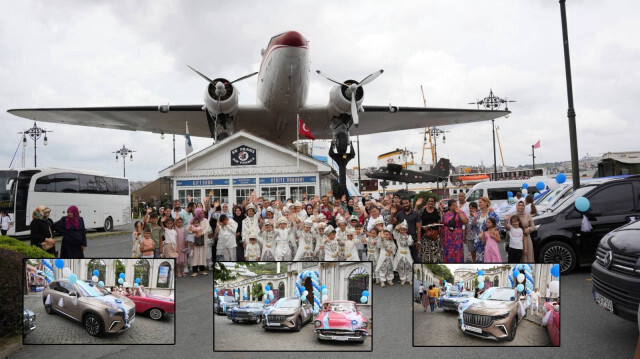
column 414, row 224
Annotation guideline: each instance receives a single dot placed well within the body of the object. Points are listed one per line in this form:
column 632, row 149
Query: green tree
column 256, row 291
column 221, row 273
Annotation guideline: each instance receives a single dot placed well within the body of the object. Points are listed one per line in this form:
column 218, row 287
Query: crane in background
column 504, row 168
column 427, row 131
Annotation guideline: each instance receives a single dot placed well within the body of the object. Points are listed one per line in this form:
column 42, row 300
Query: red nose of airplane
column 292, row 38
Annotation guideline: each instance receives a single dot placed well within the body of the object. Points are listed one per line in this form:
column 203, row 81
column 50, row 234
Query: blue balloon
column 100, row 284
column 322, row 287
column 266, row 301
column 520, row 287
column 365, row 293
column 325, row 290
column 535, row 196
column 582, row 204
column 122, row 275
column 138, row 281
column 59, row 263
column 215, row 290
column 509, row 194
column 480, row 285
column 267, row 287
column 96, row 272
column 363, row 299
column 555, row 270
column 540, row 186
column 73, row 278
column 525, row 186
column 271, row 296
column 480, row 272
column 120, row 280
column 561, row 178
column 136, row 285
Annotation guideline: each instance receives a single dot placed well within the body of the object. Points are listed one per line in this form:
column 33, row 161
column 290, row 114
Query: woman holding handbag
column 41, row 233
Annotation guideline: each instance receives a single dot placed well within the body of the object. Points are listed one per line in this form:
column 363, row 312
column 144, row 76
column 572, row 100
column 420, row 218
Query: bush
column 12, row 252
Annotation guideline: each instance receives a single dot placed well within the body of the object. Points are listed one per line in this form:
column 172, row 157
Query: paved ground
column 441, row 329
column 228, row 336
column 58, row 329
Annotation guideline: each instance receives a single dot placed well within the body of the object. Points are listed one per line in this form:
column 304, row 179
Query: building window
column 141, row 270
column 98, row 264
column 496, row 281
column 281, row 293
column 119, row 268
column 183, row 195
column 164, row 275
column 220, row 194
column 274, row 193
column 242, row 194
column 358, row 282
column 297, row 193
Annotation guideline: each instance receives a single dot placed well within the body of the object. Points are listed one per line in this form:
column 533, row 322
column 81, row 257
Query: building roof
column 624, row 157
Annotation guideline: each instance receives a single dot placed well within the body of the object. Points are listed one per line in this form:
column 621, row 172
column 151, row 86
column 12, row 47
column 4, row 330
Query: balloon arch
column 315, row 283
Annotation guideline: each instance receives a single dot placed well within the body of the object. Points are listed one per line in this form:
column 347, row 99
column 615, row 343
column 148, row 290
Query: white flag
column 188, row 148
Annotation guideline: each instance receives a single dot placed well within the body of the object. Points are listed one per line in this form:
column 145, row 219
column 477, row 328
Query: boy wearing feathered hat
column 403, row 263
column 305, row 242
column 385, row 260
column 252, row 249
column 268, row 240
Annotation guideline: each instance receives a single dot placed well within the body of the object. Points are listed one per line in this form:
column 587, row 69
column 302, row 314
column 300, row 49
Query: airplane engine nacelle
column 340, row 100
column 228, row 96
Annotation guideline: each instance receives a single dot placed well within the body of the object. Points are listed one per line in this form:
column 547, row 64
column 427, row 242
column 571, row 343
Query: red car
column 340, row 320
column 553, row 324
column 155, row 305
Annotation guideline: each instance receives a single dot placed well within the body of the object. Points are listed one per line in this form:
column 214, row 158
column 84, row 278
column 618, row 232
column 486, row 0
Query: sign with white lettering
column 243, row 156
column 203, row 182
column 278, row 180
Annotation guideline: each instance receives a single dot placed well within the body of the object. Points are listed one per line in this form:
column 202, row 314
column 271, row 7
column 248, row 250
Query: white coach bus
column 103, row 200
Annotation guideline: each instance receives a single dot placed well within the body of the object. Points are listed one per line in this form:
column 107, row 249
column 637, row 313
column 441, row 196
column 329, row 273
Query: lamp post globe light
column 34, row 133
column 124, row 152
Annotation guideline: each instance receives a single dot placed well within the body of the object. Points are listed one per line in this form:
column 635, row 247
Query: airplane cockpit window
column 271, row 40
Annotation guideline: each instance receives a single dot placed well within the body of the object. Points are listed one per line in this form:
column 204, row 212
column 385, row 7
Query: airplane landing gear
column 341, row 151
column 221, row 127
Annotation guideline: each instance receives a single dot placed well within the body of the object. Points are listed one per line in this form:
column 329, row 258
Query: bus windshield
column 6, row 196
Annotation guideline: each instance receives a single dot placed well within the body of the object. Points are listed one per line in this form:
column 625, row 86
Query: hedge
column 12, row 253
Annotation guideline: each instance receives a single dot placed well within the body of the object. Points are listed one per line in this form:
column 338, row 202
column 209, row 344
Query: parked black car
column 616, row 272
column 223, row 303
column 252, row 312
column 558, row 237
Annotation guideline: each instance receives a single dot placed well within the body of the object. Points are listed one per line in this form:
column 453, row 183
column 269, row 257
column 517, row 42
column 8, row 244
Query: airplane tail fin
column 442, row 168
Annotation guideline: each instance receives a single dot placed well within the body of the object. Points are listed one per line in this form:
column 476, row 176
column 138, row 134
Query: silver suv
column 98, row 310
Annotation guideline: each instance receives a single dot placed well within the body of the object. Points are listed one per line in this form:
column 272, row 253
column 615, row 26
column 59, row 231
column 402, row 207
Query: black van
column 616, row 272
column 558, row 238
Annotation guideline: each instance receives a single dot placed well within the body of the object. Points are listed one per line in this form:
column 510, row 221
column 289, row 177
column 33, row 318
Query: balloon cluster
column 481, row 279
column 315, row 283
column 522, row 281
column 365, row 297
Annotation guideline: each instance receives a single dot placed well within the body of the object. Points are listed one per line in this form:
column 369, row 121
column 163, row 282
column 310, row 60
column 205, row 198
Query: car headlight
column 535, row 228
column 501, row 316
column 364, row 325
column 317, row 323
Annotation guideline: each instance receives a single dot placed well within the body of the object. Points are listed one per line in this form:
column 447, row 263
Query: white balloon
column 480, row 278
column 66, row 271
column 94, row 278
column 325, row 298
column 305, row 293
column 524, row 191
column 125, row 284
column 520, row 278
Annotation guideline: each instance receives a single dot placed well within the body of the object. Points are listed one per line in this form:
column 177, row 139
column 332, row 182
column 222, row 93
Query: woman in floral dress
column 452, row 234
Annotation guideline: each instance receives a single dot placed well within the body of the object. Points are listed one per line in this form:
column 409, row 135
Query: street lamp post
column 34, row 133
column 435, row 133
column 124, row 152
column 493, row 103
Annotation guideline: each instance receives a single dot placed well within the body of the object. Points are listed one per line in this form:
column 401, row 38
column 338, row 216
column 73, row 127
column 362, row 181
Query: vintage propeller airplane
column 283, row 85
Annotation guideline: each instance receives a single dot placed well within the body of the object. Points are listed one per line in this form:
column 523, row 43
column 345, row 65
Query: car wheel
column 258, row 320
column 514, row 325
column 155, row 314
column 108, row 225
column 93, row 325
column 298, row 324
column 559, row 252
column 47, row 308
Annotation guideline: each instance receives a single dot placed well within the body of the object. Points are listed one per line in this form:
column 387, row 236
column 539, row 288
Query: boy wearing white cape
column 305, row 242
column 403, row 263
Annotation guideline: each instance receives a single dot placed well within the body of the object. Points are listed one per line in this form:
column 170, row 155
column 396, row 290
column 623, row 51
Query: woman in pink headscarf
column 74, row 238
column 198, row 256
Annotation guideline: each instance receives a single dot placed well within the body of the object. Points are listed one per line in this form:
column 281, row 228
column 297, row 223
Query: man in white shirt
column 535, row 298
column 227, row 237
column 5, row 222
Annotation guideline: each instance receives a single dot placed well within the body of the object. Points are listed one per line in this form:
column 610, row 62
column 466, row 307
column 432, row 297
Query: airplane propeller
column 351, row 91
column 220, row 90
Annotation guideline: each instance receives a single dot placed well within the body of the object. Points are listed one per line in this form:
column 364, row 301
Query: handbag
column 46, row 245
column 198, row 241
column 431, row 233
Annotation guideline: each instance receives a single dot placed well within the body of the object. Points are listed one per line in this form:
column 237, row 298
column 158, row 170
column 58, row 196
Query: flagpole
column 533, row 156
column 298, row 139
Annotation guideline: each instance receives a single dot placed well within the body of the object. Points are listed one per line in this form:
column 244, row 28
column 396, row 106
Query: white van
column 497, row 191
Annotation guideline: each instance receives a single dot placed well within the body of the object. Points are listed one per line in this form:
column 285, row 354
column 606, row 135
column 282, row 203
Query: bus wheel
column 108, row 224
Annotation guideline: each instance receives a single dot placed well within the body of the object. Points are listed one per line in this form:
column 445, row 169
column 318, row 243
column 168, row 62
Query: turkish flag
column 304, row 130
column 537, row 145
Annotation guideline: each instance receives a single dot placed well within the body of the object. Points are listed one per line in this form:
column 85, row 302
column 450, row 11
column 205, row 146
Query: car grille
column 623, row 263
column 618, row 295
column 477, row 320
column 241, row 315
column 341, row 332
column 277, row 318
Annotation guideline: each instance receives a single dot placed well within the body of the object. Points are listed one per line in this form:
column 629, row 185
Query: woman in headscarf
column 240, row 217
column 527, row 228
column 41, row 233
column 198, row 260
column 74, row 237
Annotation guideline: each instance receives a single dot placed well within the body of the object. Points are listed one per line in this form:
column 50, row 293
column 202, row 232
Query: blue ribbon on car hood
column 266, row 314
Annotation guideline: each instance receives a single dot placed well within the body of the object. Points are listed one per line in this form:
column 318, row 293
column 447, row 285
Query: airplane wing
column 378, row 119
column 147, row 118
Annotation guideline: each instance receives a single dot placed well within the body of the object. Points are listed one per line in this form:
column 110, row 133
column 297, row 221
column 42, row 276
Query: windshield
column 288, row 303
column 89, row 290
column 227, row 299
column 571, row 194
column 255, row 305
column 553, row 195
column 339, row 307
column 6, row 197
column 502, row 294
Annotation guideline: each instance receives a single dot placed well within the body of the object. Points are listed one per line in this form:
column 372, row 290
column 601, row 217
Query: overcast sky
column 89, row 53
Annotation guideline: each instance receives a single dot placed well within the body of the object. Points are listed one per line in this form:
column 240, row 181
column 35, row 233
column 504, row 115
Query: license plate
column 473, row 329
column 274, row 324
column 342, row 339
column 605, row 303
